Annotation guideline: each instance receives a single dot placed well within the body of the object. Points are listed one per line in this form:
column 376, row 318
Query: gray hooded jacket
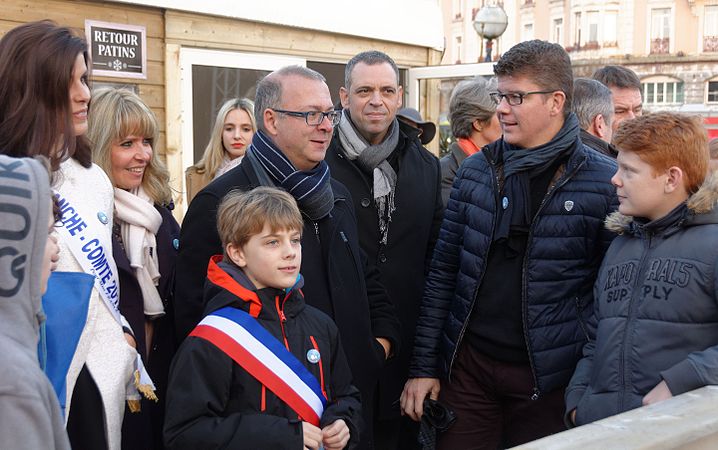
column 656, row 310
column 30, row 417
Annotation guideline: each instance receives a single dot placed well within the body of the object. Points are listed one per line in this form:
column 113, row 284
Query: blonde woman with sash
column 123, row 131
column 44, row 98
column 232, row 133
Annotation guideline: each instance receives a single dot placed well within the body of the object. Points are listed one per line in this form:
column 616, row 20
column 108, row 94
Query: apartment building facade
column 671, row 44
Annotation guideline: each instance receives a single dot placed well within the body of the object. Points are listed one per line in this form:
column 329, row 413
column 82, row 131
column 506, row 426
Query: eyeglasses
column 514, row 98
column 313, row 118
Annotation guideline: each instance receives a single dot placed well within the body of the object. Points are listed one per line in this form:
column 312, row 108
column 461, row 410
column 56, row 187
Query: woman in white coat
column 44, row 98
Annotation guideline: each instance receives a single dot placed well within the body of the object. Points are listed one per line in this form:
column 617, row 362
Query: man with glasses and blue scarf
column 509, row 294
column 396, row 186
column 295, row 120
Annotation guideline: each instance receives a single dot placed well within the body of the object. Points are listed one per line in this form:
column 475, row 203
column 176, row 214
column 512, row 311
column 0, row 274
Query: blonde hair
column 115, row 114
column 213, row 155
column 241, row 215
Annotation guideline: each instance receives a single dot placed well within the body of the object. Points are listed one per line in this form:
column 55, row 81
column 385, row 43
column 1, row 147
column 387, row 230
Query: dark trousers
column 86, row 424
column 396, row 434
column 492, row 402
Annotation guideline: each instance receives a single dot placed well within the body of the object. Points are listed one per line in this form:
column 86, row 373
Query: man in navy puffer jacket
column 506, row 302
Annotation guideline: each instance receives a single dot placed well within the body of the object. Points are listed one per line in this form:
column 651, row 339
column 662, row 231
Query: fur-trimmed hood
column 700, row 208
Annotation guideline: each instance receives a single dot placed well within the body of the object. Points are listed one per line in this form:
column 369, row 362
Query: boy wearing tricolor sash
column 262, row 369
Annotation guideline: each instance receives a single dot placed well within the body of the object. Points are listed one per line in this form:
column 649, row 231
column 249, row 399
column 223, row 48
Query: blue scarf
column 310, row 188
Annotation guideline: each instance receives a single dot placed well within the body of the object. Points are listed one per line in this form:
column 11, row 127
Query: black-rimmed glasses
column 313, row 118
column 514, row 98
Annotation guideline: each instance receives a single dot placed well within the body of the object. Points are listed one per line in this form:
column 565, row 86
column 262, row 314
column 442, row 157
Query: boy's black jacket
column 212, row 402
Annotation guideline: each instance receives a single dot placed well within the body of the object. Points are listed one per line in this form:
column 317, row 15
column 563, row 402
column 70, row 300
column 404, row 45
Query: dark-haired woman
column 44, row 98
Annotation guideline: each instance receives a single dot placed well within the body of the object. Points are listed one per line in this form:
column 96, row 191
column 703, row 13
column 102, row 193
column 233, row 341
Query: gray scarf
column 372, row 159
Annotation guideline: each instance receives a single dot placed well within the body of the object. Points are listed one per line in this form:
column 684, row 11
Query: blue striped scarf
column 310, row 188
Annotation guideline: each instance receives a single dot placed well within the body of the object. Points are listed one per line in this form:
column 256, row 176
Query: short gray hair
column 591, row 98
column 369, row 58
column 269, row 89
column 470, row 101
column 618, row 76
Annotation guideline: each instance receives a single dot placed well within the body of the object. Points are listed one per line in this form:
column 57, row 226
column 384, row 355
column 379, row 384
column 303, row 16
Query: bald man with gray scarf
column 395, row 184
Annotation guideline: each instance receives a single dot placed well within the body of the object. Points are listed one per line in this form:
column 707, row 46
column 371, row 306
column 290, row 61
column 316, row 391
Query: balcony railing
column 660, row 46
column 710, row 43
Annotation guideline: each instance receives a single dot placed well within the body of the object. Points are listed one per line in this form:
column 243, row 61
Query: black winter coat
column 358, row 302
column 656, row 309
column 404, row 261
column 213, row 402
column 143, row 430
column 565, row 247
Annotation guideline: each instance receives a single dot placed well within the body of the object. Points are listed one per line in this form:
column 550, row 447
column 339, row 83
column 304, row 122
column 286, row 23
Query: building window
column 710, row 29
column 662, row 91
column 527, row 33
column 557, row 30
column 712, row 92
column 457, row 9
column 457, row 49
column 592, row 18
column 660, row 30
column 577, row 30
column 610, row 27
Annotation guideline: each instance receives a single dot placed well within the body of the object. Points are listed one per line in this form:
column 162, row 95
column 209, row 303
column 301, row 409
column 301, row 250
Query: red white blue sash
column 250, row 345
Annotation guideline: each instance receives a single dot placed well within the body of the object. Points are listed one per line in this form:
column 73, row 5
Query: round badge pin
column 175, row 243
column 313, row 356
column 505, row 202
column 102, row 217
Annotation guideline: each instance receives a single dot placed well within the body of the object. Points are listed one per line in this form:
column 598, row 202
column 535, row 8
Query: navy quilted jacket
column 566, row 244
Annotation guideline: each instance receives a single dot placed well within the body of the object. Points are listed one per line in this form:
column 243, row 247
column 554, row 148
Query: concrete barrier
column 688, row 421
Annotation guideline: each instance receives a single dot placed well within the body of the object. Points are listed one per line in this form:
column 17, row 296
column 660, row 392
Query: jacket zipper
column 579, row 310
column 321, row 369
column 497, row 194
column 316, row 230
column 524, row 283
column 623, row 367
column 263, row 406
column 282, row 319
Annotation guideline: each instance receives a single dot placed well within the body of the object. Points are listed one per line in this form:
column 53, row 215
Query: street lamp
column 490, row 22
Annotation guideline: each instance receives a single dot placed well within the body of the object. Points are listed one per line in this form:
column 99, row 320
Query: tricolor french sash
column 250, row 345
column 85, row 244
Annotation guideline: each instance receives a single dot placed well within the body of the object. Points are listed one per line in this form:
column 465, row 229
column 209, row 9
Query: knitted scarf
column 522, row 164
column 372, row 159
column 310, row 188
column 139, row 222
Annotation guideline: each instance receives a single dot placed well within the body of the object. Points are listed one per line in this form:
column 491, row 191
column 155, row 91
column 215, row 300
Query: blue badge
column 505, row 202
column 175, row 243
column 103, row 217
column 313, row 356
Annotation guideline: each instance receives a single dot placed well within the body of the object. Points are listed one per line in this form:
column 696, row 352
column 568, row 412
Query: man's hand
column 312, row 436
column 573, row 416
column 387, row 346
column 335, row 435
column 415, row 391
column 657, row 394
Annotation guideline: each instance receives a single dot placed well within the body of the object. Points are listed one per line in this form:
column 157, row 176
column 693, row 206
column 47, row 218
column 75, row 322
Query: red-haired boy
column 656, row 308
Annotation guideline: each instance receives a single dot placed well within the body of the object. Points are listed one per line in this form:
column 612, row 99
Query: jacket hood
column 701, row 208
column 24, row 217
